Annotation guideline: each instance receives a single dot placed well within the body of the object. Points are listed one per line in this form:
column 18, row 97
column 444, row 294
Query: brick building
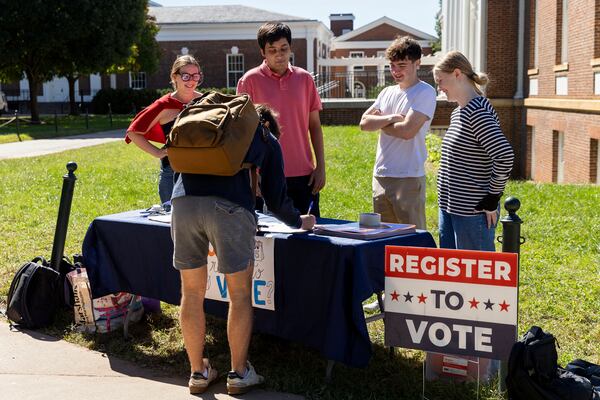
column 357, row 60
column 543, row 60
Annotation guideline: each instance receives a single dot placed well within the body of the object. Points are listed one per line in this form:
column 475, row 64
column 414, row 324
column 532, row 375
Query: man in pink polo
column 292, row 93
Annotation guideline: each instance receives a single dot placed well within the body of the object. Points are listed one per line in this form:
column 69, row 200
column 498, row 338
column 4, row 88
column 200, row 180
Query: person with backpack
column 291, row 92
column 154, row 122
column 220, row 210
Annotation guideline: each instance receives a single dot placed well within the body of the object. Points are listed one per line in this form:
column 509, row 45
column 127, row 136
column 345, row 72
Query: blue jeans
column 466, row 233
column 165, row 183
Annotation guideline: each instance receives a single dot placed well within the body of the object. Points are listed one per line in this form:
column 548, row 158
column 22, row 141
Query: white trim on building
column 389, row 21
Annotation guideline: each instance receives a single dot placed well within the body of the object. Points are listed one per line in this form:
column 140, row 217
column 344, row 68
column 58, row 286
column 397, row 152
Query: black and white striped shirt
column 476, row 158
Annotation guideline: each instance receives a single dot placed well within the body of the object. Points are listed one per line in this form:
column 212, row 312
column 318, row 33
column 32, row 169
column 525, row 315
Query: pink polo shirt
column 293, row 96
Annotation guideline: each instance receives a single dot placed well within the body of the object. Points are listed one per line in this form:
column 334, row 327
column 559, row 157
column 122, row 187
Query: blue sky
column 419, row 14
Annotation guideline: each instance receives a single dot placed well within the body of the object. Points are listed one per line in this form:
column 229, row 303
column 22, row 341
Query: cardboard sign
column 263, row 280
column 451, row 301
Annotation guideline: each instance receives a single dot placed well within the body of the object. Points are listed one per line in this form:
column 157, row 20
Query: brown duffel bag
column 212, row 134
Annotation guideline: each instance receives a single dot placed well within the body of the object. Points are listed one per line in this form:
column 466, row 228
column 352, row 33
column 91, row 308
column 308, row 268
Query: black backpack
column 34, row 294
column 534, row 374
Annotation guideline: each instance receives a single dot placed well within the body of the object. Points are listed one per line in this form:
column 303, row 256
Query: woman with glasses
column 154, row 122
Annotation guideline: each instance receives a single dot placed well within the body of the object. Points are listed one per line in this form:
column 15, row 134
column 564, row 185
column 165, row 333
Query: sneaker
column 198, row 382
column 239, row 385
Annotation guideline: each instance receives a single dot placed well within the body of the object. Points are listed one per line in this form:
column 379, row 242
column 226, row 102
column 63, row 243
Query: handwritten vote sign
column 263, row 279
column 451, row 301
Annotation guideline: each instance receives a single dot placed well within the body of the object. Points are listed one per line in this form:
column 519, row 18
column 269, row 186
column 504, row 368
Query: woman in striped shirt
column 476, row 159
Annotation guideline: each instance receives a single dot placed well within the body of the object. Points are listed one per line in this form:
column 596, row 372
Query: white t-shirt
column 401, row 158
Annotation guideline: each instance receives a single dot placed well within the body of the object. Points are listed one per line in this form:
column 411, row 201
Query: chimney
column 341, row 23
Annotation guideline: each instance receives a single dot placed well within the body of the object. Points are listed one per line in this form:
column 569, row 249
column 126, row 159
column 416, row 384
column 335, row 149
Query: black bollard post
column 511, row 227
column 511, row 243
column 64, row 210
column 17, row 125
column 110, row 114
column 55, row 122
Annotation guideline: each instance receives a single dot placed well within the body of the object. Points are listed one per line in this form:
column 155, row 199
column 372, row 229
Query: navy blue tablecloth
column 320, row 281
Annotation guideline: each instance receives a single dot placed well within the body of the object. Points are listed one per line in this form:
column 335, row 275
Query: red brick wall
column 502, row 48
column 337, row 27
column 597, row 29
column 583, row 38
column 581, row 49
column 531, row 34
column 578, row 131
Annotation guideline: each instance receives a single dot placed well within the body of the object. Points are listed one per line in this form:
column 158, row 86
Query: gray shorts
column 229, row 227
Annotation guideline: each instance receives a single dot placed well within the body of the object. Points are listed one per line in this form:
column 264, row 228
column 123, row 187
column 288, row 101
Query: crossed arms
column 396, row 125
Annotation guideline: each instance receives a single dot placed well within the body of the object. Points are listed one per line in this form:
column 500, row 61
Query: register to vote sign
column 263, row 279
column 451, row 301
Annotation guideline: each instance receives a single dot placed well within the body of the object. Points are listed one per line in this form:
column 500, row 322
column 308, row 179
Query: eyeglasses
column 186, row 77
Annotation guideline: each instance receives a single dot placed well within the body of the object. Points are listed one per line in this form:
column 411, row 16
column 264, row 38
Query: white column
column 457, row 28
column 483, row 17
column 310, row 49
column 473, row 36
column 465, row 22
column 350, row 79
column 445, row 31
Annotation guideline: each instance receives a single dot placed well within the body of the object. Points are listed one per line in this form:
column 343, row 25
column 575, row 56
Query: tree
column 28, row 38
column 437, row 45
column 44, row 38
column 127, row 43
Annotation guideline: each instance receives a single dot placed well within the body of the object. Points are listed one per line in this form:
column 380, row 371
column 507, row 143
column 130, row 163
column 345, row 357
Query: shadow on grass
column 156, row 343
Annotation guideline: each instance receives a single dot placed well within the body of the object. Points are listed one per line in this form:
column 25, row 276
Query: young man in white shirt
column 402, row 114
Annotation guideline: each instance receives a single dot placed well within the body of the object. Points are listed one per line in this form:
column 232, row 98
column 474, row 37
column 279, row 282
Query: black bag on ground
column 34, row 294
column 534, row 374
column 586, row 369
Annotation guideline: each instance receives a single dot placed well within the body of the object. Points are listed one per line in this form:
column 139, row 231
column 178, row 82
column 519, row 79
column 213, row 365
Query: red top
column 141, row 122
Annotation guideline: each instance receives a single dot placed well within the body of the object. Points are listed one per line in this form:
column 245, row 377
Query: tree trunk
column 34, row 84
column 72, row 103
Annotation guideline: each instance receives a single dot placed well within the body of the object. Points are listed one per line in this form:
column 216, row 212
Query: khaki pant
column 400, row 200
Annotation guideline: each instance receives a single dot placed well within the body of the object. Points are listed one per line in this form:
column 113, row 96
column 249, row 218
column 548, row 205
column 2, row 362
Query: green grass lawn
column 560, row 265
column 64, row 125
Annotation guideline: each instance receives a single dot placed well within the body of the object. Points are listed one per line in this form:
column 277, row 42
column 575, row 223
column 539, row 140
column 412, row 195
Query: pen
column 310, row 206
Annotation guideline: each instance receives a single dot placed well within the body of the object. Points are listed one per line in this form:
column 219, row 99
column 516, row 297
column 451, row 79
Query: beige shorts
column 400, row 200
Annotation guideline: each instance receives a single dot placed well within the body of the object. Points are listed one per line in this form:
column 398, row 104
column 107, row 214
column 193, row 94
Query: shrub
column 434, row 148
column 374, row 91
column 123, row 101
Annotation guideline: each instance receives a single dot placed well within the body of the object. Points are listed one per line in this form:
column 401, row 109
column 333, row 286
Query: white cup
column 369, row 220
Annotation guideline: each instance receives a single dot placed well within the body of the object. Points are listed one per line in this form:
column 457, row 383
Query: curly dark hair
column 402, row 48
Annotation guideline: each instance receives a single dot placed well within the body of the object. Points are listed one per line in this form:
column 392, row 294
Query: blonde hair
column 179, row 63
column 456, row 60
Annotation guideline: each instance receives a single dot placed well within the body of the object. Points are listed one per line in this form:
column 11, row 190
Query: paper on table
column 164, row 218
column 268, row 223
column 265, row 223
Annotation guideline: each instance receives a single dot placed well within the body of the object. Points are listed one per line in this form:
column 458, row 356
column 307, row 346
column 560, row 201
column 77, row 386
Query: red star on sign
column 395, row 295
column 504, row 306
column 473, row 302
column 422, row 298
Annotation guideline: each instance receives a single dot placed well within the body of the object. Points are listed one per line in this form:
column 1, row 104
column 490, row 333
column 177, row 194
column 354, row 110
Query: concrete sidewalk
column 32, row 148
column 36, row 366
